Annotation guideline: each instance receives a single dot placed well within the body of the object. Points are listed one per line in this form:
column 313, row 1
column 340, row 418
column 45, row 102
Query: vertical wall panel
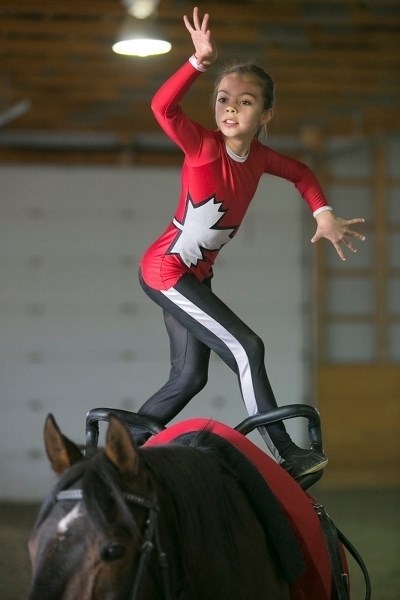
column 76, row 330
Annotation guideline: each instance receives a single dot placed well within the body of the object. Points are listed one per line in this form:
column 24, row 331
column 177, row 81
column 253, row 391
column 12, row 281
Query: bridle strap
column 145, row 552
column 151, row 538
column 70, row 495
column 163, row 564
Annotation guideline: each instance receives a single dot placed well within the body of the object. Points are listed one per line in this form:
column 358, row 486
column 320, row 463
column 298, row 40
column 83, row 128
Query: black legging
column 197, row 321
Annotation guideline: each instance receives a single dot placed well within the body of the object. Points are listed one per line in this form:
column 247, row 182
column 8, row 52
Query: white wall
column 76, row 330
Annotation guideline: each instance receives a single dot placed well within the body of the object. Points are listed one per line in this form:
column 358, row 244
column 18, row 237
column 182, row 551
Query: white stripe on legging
column 234, row 346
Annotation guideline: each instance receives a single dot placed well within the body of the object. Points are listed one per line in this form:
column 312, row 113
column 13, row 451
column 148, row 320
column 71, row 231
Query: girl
column 220, row 174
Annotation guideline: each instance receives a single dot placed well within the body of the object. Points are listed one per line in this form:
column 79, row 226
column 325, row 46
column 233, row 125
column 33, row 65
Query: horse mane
column 192, row 475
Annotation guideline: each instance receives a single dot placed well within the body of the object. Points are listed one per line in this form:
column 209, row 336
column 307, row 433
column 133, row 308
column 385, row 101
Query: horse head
column 85, row 542
column 166, row 521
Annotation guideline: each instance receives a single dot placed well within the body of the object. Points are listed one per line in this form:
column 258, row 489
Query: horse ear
column 120, row 447
column 62, row 453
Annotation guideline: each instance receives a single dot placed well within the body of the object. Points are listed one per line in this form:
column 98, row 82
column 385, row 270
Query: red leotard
column 217, row 188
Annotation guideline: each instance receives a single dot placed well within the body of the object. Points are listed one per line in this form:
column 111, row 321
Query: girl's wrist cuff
column 322, row 209
column 197, row 65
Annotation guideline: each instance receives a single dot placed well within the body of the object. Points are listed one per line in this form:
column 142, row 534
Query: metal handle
column 291, row 411
column 132, row 420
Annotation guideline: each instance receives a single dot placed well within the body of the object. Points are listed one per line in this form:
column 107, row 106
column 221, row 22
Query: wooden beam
column 381, row 252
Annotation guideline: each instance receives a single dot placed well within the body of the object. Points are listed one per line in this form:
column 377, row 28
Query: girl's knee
column 254, row 347
column 195, row 381
column 190, row 380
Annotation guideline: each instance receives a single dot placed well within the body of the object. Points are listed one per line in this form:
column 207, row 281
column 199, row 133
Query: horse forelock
column 102, row 490
column 68, row 479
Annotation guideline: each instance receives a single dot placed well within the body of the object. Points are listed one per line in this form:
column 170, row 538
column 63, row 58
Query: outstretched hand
column 337, row 231
column 204, row 47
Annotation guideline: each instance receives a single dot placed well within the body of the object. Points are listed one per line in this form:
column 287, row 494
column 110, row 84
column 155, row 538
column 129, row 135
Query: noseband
column 151, row 539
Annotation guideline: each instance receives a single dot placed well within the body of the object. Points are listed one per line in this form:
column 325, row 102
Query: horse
column 168, row 522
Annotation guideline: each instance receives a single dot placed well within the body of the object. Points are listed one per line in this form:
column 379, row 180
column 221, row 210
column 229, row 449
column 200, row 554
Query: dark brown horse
column 168, row 522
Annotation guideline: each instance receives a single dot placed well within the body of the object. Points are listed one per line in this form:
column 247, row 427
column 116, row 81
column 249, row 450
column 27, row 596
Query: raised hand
column 337, row 231
column 204, row 47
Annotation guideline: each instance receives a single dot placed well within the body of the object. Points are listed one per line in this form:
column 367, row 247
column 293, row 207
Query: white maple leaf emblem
column 199, row 231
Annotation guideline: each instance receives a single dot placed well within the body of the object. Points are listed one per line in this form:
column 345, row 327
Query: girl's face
column 239, row 110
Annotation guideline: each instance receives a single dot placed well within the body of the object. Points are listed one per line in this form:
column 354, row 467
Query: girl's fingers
column 204, row 24
column 191, row 28
column 197, row 25
column 355, row 234
column 354, row 221
column 350, row 246
column 188, row 24
column 196, row 18
column 339, row 251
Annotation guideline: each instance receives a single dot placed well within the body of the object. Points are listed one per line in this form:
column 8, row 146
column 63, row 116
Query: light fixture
column 139, row 35
column 141, row 9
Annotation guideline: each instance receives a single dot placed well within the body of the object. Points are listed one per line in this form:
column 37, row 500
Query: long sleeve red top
column 217, row 187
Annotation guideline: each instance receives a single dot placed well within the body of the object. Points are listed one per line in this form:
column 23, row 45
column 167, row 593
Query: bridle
column 151, row 539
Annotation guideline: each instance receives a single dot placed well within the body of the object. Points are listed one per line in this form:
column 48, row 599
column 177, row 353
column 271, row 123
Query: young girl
column 220, row 174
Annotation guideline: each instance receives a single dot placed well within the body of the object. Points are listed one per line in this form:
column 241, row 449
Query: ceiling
column 66, row 97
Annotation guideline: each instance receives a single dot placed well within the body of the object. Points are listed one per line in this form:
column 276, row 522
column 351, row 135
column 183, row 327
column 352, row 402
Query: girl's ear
column 267, row 116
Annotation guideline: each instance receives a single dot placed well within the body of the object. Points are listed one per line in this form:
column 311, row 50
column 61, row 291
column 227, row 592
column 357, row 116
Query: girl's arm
column 166, row 109
column 165, row 103
column 329, row 226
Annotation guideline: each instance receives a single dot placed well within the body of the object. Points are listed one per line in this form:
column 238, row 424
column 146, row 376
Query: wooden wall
column 360, row 411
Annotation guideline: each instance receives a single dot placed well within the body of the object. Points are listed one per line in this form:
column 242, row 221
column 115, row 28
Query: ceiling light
column 141, row 9
column 142, row 47
column 140, row 38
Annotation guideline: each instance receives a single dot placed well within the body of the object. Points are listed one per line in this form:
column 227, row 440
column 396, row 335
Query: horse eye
column 112, row 551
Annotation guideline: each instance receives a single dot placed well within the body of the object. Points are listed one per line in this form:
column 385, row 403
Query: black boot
column 304, row 462
column 297, row 461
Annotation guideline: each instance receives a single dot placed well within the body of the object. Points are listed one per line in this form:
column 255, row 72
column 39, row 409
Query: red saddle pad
column 316, row 581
